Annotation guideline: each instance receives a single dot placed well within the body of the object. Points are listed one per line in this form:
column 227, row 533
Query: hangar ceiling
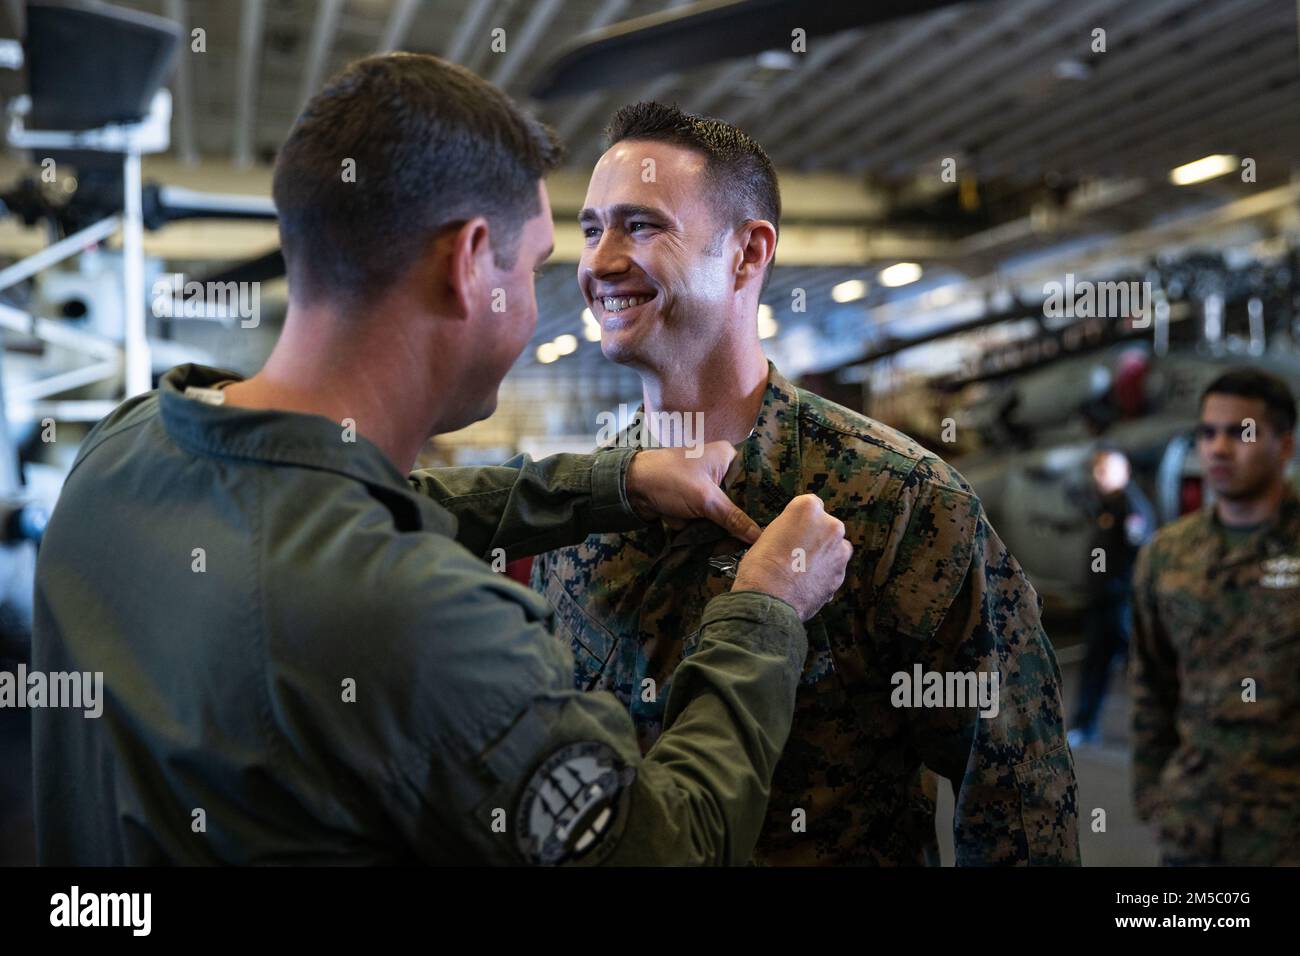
column 1014, row 91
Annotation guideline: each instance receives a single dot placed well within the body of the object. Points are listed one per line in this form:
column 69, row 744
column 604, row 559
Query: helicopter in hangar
column 1039, row 407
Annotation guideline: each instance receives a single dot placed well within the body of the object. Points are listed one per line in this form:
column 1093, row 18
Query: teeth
column 617, row 303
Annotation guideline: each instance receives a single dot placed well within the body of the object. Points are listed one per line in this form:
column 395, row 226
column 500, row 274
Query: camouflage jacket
column 930, row 586
column 1215, row 675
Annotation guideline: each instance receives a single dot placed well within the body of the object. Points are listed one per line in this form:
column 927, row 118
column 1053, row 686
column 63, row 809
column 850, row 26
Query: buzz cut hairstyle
column 1260, row 385
column 742, row 174
column 431, row 146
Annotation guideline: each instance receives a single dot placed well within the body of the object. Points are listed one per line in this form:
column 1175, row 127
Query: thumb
column 719, row 509
column 718, row 456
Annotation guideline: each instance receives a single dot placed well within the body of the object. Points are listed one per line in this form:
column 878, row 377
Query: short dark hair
column 1264, row 386
column 744, row 177
column 432, row 145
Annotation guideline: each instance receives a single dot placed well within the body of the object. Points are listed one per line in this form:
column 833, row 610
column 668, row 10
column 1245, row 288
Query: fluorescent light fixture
column 590, row 327
column 900, row 273
column 566, row 344
column 546, row 353
column 1219, row 164
column 944, row 295
column 777, row 60
column 767, row 326
column 849, row 291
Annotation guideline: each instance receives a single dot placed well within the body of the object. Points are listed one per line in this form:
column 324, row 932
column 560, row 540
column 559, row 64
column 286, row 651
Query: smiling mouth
column 614, row 304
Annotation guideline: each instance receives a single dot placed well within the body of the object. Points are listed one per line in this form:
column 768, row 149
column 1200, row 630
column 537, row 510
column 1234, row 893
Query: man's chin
column 469, row 416
column 619, row 349
column 1236, row 492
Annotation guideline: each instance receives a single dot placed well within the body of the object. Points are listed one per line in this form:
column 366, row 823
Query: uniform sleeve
column 957, row 602
column 526, row 507
column 1153, row 685
column 517, row 767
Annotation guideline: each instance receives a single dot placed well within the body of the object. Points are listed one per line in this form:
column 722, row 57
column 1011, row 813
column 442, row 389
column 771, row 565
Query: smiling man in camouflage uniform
column 680, row 226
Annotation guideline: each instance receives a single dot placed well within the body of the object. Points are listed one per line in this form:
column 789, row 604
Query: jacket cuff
column 775, row 618
column 611, row 509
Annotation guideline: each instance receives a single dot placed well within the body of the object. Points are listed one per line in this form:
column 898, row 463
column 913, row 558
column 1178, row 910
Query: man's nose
column 609, row 255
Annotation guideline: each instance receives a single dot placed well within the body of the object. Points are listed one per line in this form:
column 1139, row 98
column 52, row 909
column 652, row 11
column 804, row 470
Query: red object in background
column 520, row 570
column 1190, row 495
column 1130, row 383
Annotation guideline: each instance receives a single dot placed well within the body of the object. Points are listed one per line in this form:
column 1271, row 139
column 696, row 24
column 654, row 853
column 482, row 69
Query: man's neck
column 322, row 365
column 726, row 387
column 1250, row 512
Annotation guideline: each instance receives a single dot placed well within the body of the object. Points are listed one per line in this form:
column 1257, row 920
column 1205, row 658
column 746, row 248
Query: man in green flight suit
column 304, row 655
column 680, row 227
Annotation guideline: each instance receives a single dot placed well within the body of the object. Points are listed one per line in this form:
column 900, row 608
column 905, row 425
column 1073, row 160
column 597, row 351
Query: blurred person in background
column 1122, row 520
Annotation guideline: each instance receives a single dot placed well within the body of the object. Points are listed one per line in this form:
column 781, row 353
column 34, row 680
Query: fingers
column 719, row 509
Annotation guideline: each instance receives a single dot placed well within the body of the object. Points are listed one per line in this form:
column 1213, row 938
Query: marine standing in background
column 1215, row 668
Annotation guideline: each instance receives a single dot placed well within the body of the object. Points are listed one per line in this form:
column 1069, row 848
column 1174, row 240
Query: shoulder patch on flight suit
column 572, row 803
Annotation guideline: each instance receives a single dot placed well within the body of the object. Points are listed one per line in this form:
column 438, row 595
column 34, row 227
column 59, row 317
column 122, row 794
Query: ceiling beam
column 1175, row 108
column 994, row 122
column 251, row 22
column 893, row 53
column 519, row 49
column 324, row 28
column 183, row 85
column 943, row 106
column 398, row 26
column 979, row 30
column 823, row 53
column 1113, row 84
column 468, row 30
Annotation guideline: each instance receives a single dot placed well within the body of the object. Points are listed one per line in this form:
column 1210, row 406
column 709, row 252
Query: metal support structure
column 133, row 359
column 135, row 340
column 56, row 253
column 65, row 381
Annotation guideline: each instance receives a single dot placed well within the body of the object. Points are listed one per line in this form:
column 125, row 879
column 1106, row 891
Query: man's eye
column 634, row 227
column 590, row 232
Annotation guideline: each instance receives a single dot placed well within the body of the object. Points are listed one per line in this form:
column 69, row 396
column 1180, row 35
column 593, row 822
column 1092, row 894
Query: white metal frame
column 130, row 358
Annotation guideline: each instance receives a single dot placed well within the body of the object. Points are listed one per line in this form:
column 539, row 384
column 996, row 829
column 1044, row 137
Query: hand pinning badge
column 728, row 563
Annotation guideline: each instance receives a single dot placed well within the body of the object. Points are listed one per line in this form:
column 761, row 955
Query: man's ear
column 1288, row 446
column 469, row 253
column 757, row 247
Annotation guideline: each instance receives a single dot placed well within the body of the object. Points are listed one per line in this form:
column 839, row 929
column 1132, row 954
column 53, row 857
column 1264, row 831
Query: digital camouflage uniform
column 1218, row 773
column 930, row 582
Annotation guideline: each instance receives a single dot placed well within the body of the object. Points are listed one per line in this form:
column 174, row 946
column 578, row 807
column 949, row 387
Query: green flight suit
column 306, row 659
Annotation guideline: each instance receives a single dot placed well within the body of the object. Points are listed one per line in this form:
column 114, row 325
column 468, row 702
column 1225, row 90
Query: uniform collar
column 276, row 437
column 769, row 475
column 1278, row 537
column 770, row 464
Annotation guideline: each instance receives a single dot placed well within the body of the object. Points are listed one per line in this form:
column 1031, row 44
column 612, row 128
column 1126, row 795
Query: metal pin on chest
column 728, row 563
